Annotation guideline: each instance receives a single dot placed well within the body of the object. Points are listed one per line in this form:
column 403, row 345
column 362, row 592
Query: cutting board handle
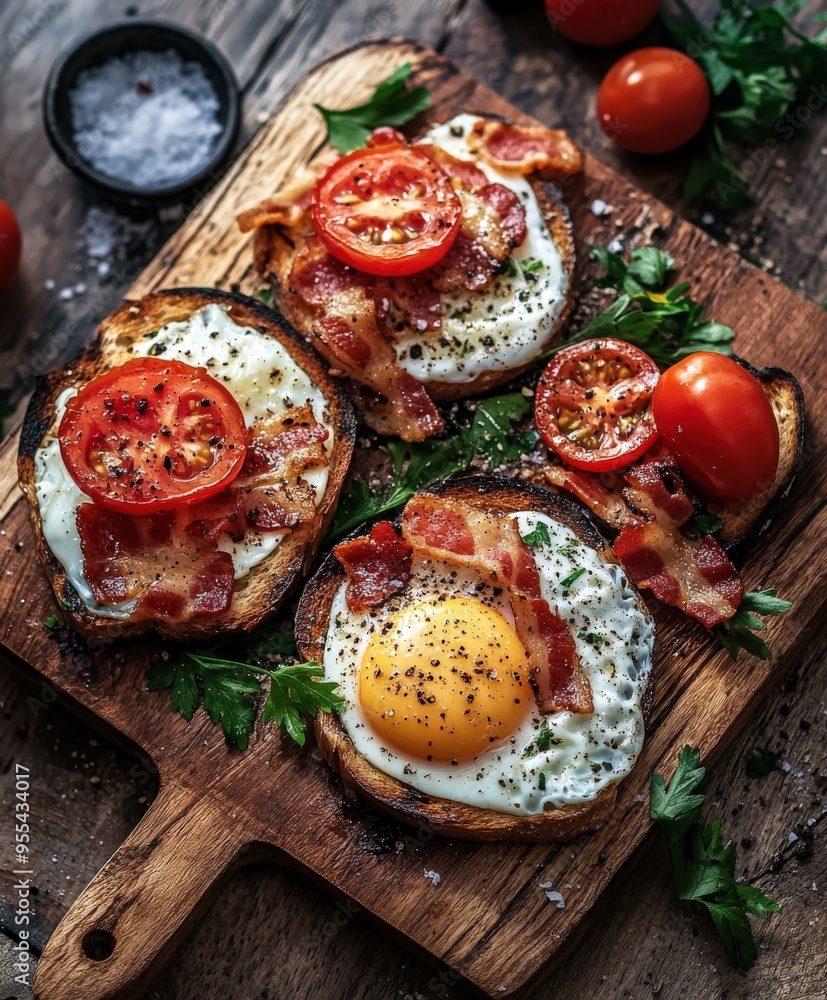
column 129, row 919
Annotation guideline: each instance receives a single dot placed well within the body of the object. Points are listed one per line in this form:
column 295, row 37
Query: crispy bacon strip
column 526, row 149
column 601, row 494
column 350, row 337
column 459, row 534
column 283, row 448
column 695, row 576
column 377, row 566
column 153, row 561
column 648, row 506
column 287, row 208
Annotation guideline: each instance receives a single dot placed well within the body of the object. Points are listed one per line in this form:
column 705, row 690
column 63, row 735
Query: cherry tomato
column 653, row 100
column 719, row 425
column 388, row 210
column 601, row 22
column 152, row 435
column 11, row 243
column 593, row 404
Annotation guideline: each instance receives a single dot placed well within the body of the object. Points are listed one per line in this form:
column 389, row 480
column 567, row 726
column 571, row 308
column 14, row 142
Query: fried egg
column 263, row 378
column 436, row 693
column 504, row 325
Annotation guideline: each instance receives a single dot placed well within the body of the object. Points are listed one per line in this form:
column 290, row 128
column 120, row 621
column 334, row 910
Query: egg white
column 263, row 378
column 588, row 751
column 505, row 324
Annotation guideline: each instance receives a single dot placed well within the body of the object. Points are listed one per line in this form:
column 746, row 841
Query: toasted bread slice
column 744, row 522
column 360, row 778
column 275, row 248
column 259, row 594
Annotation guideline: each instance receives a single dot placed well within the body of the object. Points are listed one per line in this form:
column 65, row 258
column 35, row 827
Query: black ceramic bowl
column 118, row 40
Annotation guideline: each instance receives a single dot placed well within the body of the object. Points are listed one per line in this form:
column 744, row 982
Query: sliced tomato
column 593, row 404
column 387, row 210
column 152, row 435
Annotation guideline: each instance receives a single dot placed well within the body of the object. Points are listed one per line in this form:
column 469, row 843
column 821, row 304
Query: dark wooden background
column 270, row 935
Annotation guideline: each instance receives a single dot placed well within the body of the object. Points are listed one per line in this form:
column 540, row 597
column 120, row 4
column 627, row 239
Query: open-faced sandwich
column 679, row 467
column 426, row 271
column 495, row 668
column 182, row 471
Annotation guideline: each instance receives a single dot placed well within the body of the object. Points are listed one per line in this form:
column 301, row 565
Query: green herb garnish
column 531, row 266
column 703, row 865
column 592, row 637
column 541, row 781
column 539, row 536
column 762, row 762
column 266, row 295
column 226, row 689
column 739, row 631
column 569, row 580
column 664, row 322
column 704, row 524
column 392, row 103
column 51, row 621
column 490, row 435
column 761, row 72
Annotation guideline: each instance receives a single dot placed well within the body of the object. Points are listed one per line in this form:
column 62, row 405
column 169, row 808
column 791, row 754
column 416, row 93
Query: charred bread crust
column 275, row 248
column 745, row 522
column 262, row 591
column 389, row 795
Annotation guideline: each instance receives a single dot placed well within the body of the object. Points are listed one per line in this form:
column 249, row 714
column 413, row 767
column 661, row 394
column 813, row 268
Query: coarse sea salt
column 148, row 118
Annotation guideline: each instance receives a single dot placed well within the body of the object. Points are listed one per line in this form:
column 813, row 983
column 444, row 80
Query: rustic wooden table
column 270, row 934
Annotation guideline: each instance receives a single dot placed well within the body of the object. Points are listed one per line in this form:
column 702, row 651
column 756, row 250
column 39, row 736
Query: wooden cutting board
column 488, row 920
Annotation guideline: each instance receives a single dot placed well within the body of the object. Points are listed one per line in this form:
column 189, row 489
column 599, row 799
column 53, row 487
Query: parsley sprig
column 392, row 103
column 703, row 865
column 664, row 322
column 228, row 689
column 760, row 70
column 490, row 435
column 739, row 632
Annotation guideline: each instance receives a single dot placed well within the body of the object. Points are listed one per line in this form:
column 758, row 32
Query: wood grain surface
column 322, row 949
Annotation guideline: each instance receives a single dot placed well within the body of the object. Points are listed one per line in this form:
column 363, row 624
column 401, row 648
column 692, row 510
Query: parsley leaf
column 762, row 762
column 266, row 295
column 539, row 536
column 664, row 322
column 490, row 435
column 704, row 524
column 703, row 865
column 227, row 689
column 392, row 103
column 295, row 691
column 51, row 621
column 739, row 631
column 761, row 70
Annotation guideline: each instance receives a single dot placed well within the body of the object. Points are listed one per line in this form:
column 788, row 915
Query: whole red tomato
column 718, row 423
column 653, row 100
column 11, row 243
column 601, row 22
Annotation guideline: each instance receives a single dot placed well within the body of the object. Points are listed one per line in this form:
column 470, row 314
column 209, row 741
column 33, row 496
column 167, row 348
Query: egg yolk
column 444, row 680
